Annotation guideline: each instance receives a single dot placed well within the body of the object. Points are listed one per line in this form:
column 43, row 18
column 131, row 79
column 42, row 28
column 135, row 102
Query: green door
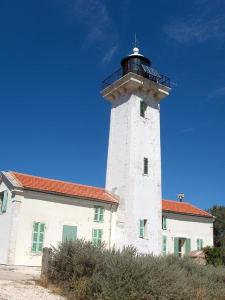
column 69, row 233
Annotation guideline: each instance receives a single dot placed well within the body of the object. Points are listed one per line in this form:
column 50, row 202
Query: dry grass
column 54, row 288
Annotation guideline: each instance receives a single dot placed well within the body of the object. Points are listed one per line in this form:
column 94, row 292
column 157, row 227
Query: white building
column 38, row 212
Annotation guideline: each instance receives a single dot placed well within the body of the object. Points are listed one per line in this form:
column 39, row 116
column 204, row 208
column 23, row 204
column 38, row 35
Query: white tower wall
column 133, row 138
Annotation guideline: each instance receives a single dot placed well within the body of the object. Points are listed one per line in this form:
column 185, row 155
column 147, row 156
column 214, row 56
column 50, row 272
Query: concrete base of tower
column 152, row 245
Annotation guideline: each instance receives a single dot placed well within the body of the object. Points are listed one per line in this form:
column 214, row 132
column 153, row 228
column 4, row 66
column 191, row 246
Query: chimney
column 180, row 197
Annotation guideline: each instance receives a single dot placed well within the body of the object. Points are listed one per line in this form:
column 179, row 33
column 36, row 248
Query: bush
column 215, row 256
column 84, row 271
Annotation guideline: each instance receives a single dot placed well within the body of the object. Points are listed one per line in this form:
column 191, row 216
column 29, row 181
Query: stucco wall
column 56, row 211
column 184, row 226
column 5, row 222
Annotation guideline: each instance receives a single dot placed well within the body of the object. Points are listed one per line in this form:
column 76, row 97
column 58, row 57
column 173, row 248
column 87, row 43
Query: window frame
column 4, row 197
column 38, row 242
column 1, row 201
column 143, row 108
column 199, row 244
column 96, row 240
column 142, row 228
column 164, row 223
column 99, row 212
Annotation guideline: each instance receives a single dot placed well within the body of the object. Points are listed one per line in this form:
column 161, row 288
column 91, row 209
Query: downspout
column 110, row 226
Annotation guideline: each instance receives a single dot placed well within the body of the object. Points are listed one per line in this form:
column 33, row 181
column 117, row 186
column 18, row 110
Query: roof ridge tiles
column 58, row 180
column 72, row 189
column 184, row 208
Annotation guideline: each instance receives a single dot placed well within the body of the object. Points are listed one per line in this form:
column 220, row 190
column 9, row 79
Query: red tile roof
column 183, row 208
column 42, row 184
column 62, row 187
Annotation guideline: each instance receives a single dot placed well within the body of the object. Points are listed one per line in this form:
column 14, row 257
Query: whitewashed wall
column 56, row 211
column 5, row 223
column 131, row 139
column 184, row 226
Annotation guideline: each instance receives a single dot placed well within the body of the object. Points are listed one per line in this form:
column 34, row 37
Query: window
column 142, row 228
column 164, row 244
column 145, row 166
column 164, row 223
column 3, row 201
column 69, row 233
column 199, row 244
column 97, row 236
column 143, row 107
column 182, row 246
column 38, row 237
column 99, row 214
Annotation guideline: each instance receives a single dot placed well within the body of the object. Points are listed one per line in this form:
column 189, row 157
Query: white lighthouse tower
column 134, row 156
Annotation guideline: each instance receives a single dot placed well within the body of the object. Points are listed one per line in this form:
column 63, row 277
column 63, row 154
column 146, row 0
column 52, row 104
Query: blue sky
column 53, row 57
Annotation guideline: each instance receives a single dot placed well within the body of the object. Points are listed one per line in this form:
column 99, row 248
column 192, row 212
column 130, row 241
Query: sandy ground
column 24, row 290
column 20, row 285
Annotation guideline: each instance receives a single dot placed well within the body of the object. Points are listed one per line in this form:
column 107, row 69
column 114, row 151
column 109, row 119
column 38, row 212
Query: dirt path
column 25, row 290
column 20, row 285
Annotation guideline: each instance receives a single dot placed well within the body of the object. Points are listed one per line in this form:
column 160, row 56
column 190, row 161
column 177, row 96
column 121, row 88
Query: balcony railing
column 137, row 69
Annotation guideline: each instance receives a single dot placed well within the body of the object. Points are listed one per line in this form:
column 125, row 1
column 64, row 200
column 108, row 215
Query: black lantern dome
column 133, row 63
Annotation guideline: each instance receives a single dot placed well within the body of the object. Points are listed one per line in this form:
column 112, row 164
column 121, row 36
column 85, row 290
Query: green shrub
column 215, row 256
column 86, row 272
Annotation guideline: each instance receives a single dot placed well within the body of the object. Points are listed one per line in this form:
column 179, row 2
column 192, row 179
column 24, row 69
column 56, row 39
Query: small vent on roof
column 180, row 197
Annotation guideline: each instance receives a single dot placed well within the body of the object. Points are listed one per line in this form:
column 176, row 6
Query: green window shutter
column 94, row 234
column 201, row 245
column 38, row 237
column 5, row 201
column 164, row 245
column 69, row 233
column 141, row 228
column 187, row 246
column 100, row 235
column 176, row 246
column 96, row 215
column 198, row 246
column 164, row 223
column 97, row 236
column 101, row 217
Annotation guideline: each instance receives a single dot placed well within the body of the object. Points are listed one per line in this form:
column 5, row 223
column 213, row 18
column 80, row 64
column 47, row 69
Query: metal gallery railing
column 137, row 69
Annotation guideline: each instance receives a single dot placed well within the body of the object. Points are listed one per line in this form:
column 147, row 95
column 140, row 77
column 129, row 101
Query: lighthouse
column 134, row 154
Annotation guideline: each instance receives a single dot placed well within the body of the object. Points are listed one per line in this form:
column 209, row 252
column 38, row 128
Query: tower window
column 145, row 166
column 143, row 107
column 142, row 228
